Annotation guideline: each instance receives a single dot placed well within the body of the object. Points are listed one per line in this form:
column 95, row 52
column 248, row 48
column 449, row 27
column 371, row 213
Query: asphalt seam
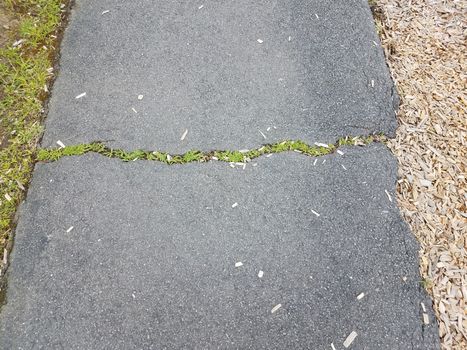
column 234, row 156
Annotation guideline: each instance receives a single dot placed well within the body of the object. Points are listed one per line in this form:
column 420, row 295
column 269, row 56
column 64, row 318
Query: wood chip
column 333, row 347
column 340, row 152
column 260, row 274
column 264, row 136
column 61, row 144
column 349, row 340
column 426, row 319
column 238, row 264
column 200, row 7
column 260, row 41
column 104, row 12
column 8, row 197
column 275, row 308
column 389, row 196
column 80, row 95
column 321, row 145
column 184, row 135
column 234, row 205
column 134, row 110
column 69, row 229
column 140, row 97
column 315, row 213
column 360, row 296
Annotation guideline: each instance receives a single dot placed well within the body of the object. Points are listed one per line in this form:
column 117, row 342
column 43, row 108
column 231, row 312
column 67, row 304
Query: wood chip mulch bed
column 425, row 43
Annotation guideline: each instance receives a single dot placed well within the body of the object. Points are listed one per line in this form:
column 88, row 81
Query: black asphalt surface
column 286, row 252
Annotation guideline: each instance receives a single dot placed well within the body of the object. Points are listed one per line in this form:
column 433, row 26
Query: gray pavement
column 204, row 70
column 150, row 263
column 142, row 255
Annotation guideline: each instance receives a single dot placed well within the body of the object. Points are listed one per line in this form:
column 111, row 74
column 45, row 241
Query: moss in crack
column 54, row 154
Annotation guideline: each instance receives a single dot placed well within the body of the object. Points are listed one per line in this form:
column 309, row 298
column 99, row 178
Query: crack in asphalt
column 240, row 156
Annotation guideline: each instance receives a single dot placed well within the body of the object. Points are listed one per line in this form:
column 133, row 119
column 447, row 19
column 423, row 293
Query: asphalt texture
column 151, row 261
column 276, row 255
column 318, row 74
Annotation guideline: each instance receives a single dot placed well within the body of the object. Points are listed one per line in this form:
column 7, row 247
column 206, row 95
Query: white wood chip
column 169, row 158
column 69, row 229
column 360, row 296
column 254, row 164
column 260, row 274
column 319, row 144
column 316, row 161
column 426, row 319
column 238, row 264
column 423, row 307
column 61, row 144
column 318, row 215
column 134, row 110
column 104, row 12
column 333, row 347
column 389, row 196
column 324, row 161
column 260, row 41
column 80, row 95
column 340, row 152
column 350, row 339
column 200, row 7
column 316, row 15
column 184, row 135
column 8, row 197
column 425, row 183
column 269, row 155
column 289, row 38
column 343, row 167
column 275, row 308
column 372, row 83
column 262, row 134
column 234, row 205
column 140, row 97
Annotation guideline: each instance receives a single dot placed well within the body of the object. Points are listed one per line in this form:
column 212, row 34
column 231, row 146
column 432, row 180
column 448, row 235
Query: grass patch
column 54, row 154
column 25, row 73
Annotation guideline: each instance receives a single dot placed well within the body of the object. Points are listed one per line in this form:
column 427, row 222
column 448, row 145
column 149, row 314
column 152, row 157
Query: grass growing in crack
column 24, row 72
column 54, row 154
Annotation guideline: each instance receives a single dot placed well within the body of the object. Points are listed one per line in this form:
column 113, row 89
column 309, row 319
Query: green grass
column 23, row 76
column 54, row 154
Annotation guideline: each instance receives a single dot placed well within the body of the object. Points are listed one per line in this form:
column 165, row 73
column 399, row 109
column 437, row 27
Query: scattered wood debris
column 69, row 229
column 80, row 95
column 389, row 195
column 340, row 152
column 184, row 135
column 360, row 296
column 264, row 136
column 319, row 144
column 61, row 144
column 275, row 308
column 425, row 45
column 104, row 12
column 140, row 97
column 314, row 212
column 260, row 274
column 260, row 41
column 238, row 264
column 235, row 205
column 349, row 340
